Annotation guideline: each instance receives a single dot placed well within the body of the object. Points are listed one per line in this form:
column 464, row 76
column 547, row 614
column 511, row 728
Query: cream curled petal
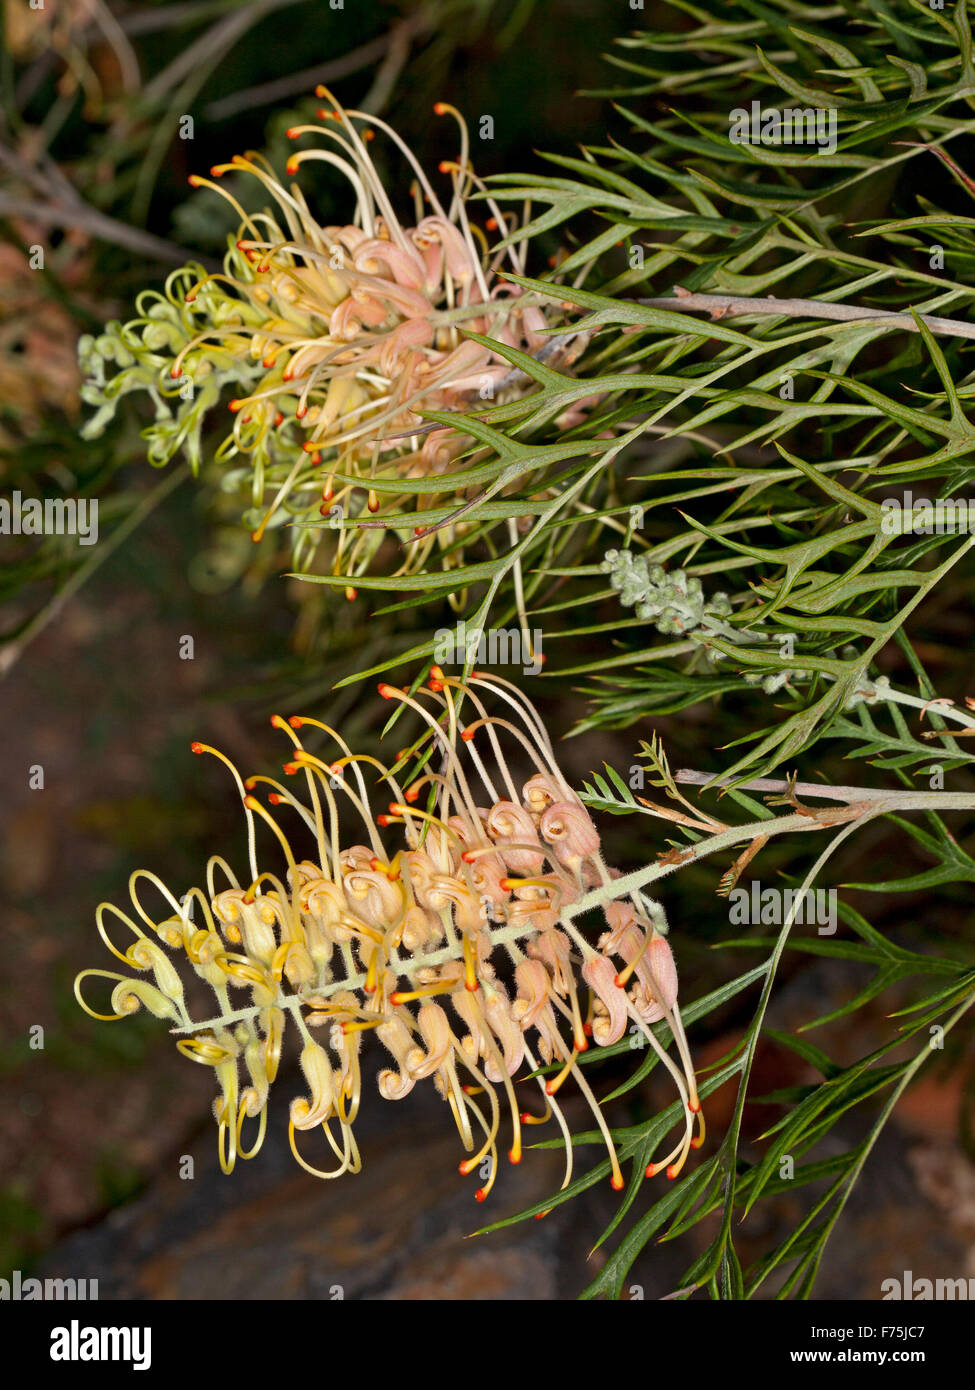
column 129, row 995
column 421, row 929
column 440, row 891
column 420, row 869
column 356, row 857
column 246, row 922
column 552, row 948
column 440, row 449
column 620, row 915
column 371, row 895
column 497, row 1012
column 353, row 315
column 474, row 1044
column 486, row 873
column 395, row 350
column 326, row 902
column 306, row 1114
column 205, row 951
column 397, row 1038
column 437, row 230
column 299, row 966
column 349, row 237
column 540, row 791
column 510, row 825
column 146, row 955
column 569, row 828
column 471, row 910
column 609, row 1021
column 468, row 835
column 434, row 1028
column 657, row 974
column 404, row 264
column 307, row 873
column 534, row 325
column 534, row 985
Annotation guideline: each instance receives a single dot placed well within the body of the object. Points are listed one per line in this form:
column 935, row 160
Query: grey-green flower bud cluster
column 675, row 602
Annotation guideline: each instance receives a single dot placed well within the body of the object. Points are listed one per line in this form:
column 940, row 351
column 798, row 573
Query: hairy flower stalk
column 334, row 339
column 443, row 931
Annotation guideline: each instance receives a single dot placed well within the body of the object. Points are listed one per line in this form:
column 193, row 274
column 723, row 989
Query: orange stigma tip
column 368, row 135
column 328, row 494
column 316, row 458
column 175, row 373
column 505, row 884
column 436, row 673
column 386, row 691
column 492, row 224
column 514, row 1155
column 411, row 796
column 215, row 171
column 190, row 298
column 248, row 899
column 351, row 594
column 468, row 856
column 382, row 821
column 194, row 180
column 525, row 1117
column 651, row 1170
column 251, row 802
column 369, row 989
column 581, row 1045
column 616, row 1182
column 587, row 1029
column 550, row 1088
column 697, row 1141
column 300, row 414
column 467, row 735
column 292, row 165
column 291, row 768
column 277, row 722
column 620, row 984
column 279, row 419
column 296, row 721
column 440, row 108
column 292, row 133
column 234, row 405
column 267, row 362
column 250, row 783
column 540, row 1214
column 672, row 1171
column 196, row 747
column 275, row 798
column 480, row 1195
column 445, row 166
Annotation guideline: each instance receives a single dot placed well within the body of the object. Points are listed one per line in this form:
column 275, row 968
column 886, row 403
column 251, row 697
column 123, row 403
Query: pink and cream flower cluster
column 448, row 931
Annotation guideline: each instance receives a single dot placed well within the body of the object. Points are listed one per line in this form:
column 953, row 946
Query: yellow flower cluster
column 454, row 945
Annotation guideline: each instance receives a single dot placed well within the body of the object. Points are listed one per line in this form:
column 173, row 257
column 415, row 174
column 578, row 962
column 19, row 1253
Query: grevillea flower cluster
column 334, row 338
column 448, row 931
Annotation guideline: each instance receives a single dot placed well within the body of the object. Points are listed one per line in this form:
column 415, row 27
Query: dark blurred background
column 95, row 692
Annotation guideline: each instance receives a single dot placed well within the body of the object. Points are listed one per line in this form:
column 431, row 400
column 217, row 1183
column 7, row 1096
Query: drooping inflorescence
column 446, row 930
